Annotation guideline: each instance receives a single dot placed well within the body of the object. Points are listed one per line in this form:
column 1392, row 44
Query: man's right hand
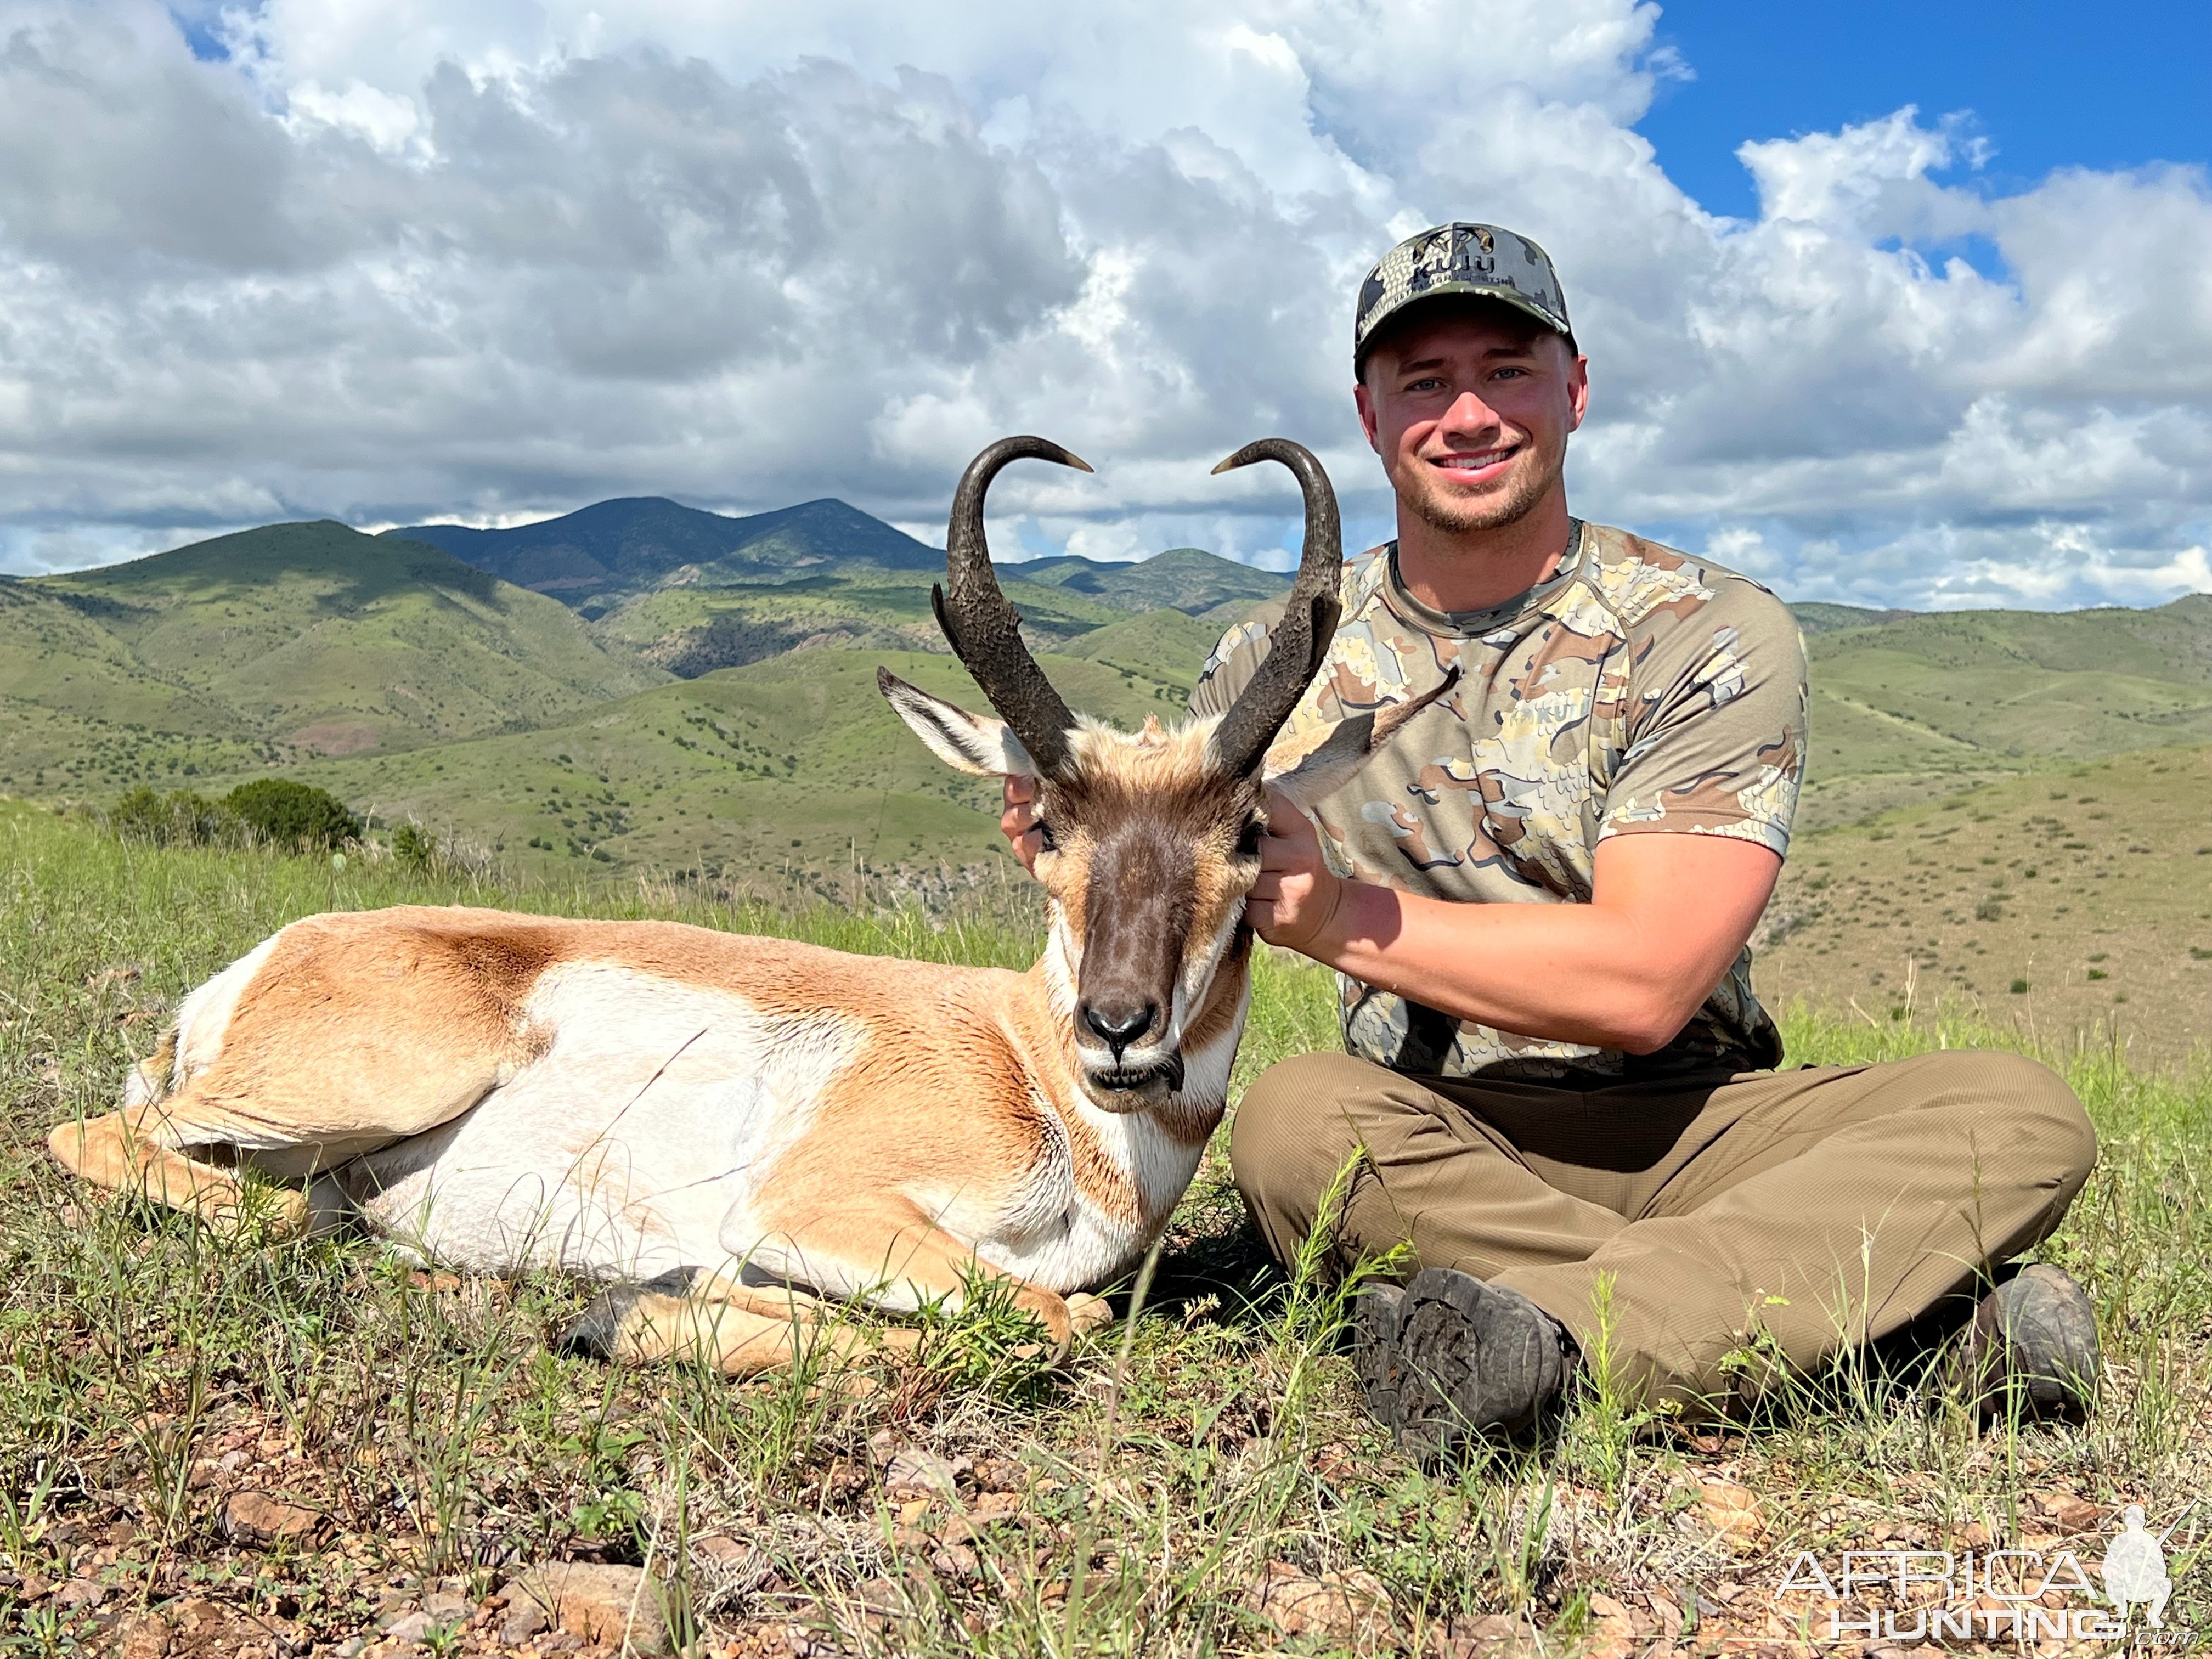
column 1018, row 824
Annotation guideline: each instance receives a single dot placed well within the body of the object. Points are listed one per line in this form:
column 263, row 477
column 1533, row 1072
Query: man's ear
column 982, row 748
column 1349, row 744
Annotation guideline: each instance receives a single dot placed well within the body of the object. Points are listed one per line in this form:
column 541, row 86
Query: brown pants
column 1740, row 1218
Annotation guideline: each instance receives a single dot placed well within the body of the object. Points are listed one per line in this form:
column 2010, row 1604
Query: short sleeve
column 1715, row 726
column 1228, row 669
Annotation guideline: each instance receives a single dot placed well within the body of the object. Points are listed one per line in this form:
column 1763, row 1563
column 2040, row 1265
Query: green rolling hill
column 790, row 770
column 277, row 644
column 693, row 628
column 1922, row 705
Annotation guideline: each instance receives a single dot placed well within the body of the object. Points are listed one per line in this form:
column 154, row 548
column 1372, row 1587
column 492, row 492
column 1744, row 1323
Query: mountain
column 1186, row 578
column 287, row 640
column 635, row 543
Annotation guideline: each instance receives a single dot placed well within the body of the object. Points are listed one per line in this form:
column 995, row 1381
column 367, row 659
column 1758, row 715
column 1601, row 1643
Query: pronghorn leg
column 743, row 1330
column 119, row 1151
column 885, row 1248
column 706, row 1318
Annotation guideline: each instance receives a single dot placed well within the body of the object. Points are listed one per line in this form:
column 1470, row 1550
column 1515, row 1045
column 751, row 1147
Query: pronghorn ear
column 1312, row 777
column 984, row 747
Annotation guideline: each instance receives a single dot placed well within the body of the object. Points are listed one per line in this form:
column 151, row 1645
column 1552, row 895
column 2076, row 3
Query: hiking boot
column 2032, row 1349
column 1449, row 1358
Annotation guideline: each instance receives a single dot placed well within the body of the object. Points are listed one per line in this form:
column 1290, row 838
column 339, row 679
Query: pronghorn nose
column 1119, row 1027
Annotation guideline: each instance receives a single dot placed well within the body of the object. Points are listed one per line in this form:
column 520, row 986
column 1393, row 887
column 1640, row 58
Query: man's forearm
column 1569, row 973
column 1667, row 916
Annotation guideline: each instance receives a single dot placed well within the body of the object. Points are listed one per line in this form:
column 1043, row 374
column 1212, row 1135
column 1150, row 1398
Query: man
column 1559, row 1098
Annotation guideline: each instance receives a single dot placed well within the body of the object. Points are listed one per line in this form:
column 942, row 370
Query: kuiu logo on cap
column 1478, row 261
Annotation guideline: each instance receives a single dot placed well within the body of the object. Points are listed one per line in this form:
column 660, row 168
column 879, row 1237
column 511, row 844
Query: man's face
column 1470, row 412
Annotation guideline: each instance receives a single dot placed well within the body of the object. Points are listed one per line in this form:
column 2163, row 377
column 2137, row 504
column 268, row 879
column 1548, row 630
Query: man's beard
column 1461, row 516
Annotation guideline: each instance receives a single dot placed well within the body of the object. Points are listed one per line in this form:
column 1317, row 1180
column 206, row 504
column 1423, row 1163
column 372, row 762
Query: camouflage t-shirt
column 1638, row 690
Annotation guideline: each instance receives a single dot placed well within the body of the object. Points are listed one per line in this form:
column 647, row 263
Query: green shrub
column 413, row 846
column 181, row 818
column 295, row 817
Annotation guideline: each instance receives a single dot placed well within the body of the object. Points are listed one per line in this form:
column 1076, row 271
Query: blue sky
column 2116, row 85
column 1949, row 344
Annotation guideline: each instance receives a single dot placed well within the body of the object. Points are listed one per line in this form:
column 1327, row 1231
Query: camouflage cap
column 1481, row 260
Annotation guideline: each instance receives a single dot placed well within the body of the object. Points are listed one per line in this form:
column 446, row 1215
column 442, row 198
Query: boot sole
column 1453, row 1358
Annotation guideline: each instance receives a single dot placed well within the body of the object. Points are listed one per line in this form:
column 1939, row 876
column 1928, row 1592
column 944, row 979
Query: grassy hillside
column 692, row 629
column 1925, row 705
column 290, row 641
column 794, row 770
column 427, row 1442
column 2076, row 899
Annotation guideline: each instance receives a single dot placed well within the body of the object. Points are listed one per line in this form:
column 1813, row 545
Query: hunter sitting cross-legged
column 1563, row 1096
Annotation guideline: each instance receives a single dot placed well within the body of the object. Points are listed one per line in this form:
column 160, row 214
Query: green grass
column 1130, row 1504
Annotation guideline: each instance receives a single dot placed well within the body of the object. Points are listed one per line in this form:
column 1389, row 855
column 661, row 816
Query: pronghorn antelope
column 745, row 1125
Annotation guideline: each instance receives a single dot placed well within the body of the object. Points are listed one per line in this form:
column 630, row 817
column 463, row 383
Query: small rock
column 1493, row 1636
column 35, row 1589
column 2071, row 1511
column 80, row 1593
column 352, row 1647
column 527, row 1620
column 914, row 1470
column 231, row 1461
column 412, row 1628
column 1342, row 1606
column 448, row 1607
column 256, row 1518
column 607, row 1606
column 145, row 1638
column 956, row 1561
column 1731, row 1511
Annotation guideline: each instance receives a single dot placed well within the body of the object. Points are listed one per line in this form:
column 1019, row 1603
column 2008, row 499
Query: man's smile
column 1476, row 466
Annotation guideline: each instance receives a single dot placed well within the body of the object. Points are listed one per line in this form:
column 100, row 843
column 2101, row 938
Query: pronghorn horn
column 1309, row 622
column 983, row 629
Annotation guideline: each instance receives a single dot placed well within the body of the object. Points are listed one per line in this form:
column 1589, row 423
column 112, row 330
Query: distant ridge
column 634, row 543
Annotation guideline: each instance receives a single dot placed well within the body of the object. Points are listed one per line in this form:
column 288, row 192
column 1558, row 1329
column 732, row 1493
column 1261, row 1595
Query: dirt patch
column 337, row 737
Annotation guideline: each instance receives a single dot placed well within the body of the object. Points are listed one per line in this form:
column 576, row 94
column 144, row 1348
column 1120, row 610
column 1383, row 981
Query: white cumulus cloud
column 392, row 261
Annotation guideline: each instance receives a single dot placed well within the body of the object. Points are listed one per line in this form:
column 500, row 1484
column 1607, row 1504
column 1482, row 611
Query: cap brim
column 1461, row 290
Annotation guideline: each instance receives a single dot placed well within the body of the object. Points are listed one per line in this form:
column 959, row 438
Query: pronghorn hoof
column 283, row 1216
column 597, row 1333
column 1087, row 1313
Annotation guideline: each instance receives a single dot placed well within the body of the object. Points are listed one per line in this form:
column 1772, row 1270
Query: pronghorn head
column 1151, row 838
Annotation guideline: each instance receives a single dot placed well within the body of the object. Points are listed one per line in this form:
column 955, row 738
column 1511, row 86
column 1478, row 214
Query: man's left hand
column 1297, row 894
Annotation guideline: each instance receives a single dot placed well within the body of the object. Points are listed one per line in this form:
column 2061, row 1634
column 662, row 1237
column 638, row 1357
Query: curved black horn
column 1301, row 639
column 983, row 629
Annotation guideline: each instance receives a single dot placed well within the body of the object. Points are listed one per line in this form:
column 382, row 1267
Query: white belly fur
column 628, row 1147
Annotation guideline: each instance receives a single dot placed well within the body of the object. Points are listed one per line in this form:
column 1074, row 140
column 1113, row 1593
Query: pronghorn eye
column 1046, row 841
column 1247, row 839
